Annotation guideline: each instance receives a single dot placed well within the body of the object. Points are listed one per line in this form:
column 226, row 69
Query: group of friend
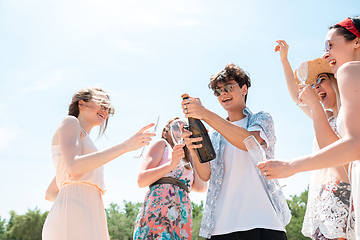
column 238, row 205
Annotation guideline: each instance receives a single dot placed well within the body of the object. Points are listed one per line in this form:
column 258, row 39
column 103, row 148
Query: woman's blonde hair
column 334, row 84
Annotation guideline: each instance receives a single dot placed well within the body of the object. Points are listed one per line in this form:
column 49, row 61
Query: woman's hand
column 177, row 154
column 307, row 95
column 273, row 169
column 139, row 139
column 283, row 48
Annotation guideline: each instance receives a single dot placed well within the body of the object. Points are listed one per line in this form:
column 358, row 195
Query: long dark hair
column 86, row 95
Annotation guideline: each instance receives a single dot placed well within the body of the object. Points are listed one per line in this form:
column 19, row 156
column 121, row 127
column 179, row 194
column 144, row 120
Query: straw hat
column 315, row 67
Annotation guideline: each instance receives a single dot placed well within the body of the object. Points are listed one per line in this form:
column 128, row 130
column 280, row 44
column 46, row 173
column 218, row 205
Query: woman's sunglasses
column 327, row 44
column 227, row 88
column 317, row 82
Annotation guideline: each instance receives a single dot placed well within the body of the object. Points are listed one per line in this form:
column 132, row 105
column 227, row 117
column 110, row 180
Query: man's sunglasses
column 226, row 88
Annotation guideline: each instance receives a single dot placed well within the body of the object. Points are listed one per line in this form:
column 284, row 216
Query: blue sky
column 145, row 54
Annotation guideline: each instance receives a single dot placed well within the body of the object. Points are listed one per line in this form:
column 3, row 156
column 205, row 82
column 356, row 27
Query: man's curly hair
column 230, row 72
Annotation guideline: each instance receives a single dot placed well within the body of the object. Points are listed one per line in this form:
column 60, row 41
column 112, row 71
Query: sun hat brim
column 315, row 67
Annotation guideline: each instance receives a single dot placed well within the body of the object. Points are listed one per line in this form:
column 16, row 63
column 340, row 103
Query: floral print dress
column 166, row 212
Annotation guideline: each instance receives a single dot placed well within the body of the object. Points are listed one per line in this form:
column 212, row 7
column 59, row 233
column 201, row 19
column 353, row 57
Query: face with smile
column 326, row 92
column 233, row 100
column 337, row 50
column 96, row 111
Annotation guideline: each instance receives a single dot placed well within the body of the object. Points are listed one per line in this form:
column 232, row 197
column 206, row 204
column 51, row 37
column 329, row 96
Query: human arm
column 52, row 191
column 198, row 184
column 70, row 147
column 293, row 88
column 323, row 131
column 150, row 170
column 231, row 132
column 342, row 151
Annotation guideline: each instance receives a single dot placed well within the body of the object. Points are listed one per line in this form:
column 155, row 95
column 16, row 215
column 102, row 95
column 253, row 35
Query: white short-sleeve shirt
column 243, row 203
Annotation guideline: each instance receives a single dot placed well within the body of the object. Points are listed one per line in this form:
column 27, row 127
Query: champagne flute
column 175, row 128
column 257, row 153
column 154, row 118
column 302, row 72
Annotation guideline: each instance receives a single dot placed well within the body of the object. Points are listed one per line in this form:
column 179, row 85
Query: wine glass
column 257, row 153
column 154, row 118
column 302, row 72
column 175, row 129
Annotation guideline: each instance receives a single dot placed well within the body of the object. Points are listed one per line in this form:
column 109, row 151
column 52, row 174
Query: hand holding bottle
column 189, row 142
column 206, row 152
column 192, row 107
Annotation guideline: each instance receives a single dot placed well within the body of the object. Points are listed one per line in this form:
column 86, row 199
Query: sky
column 145, row 54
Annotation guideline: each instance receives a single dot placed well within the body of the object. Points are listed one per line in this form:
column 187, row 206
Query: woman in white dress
column 342, row 51
column 77, row 189
column 327, row 213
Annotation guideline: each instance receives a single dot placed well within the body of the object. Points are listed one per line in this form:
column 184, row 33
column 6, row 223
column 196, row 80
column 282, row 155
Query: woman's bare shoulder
column 349, row 70
column 158, row 144
column 68, row 124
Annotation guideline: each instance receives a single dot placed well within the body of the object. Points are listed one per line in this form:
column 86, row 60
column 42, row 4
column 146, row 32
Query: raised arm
column 150, row 170
column 323, row 131
column 341, row 152
column 78, row 164
column 293, row 88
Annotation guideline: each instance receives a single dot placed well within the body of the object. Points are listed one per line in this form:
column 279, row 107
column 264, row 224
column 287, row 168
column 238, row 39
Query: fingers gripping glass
column 175, row 128
column 227, row 88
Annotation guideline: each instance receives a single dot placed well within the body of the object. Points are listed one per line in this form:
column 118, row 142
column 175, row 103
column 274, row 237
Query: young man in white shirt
column 237, row 204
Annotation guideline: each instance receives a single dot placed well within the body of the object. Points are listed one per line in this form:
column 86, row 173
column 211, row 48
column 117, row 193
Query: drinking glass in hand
column 154, row 118
column 175, row 128
column 257, row 153
column 302, row 72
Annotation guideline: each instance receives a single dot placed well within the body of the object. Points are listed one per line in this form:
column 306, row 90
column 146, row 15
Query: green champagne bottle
column 206, row 153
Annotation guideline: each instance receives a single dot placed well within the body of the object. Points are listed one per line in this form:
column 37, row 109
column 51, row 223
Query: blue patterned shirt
column 260, row 119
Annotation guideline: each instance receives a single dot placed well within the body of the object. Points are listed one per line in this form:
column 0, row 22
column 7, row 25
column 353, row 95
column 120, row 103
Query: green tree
column 26, row 227
column 297, row 207
column 2, row 229
column 197, row 211
column 121, row 220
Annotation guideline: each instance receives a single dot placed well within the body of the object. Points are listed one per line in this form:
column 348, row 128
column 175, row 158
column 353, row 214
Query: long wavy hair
column 166, row 129
column 86, row 95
